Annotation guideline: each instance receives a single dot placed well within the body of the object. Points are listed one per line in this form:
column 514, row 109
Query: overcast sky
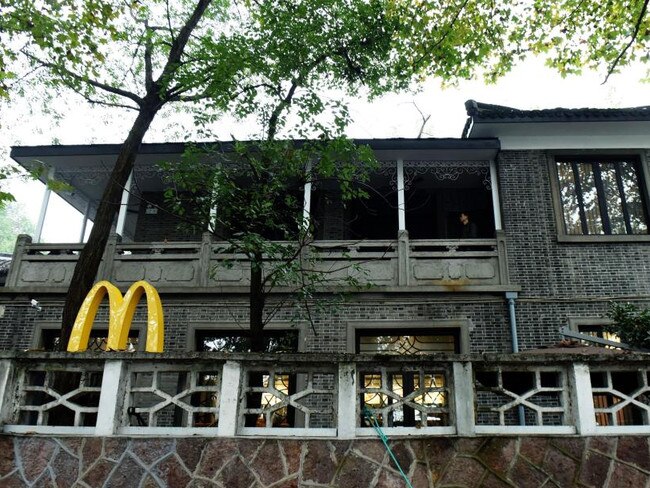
column 529, row 86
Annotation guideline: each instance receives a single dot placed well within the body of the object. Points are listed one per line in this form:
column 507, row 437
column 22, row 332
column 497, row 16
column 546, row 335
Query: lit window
column 408, row 341
column 598, row 331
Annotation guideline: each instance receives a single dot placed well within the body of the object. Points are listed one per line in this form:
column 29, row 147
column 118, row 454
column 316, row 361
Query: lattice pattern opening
column 289, row 398
column 621, row 397
column 406, row 397
column 59, row 398
column 521, row 397
column 172, row 398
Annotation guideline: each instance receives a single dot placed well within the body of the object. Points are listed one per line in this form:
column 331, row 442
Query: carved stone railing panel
column 405, row 397
column 621, row 396
column 49, row 395
column 292, row 396
column 511, row 396
column 164, row 396
column 323, row 395
column 449, row 265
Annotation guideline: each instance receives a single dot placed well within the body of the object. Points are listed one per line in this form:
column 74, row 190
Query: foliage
column 592, row 34
column 251, row 199
column 70, row 32
column 13, row 222
column 631, row 324
column 277, row 61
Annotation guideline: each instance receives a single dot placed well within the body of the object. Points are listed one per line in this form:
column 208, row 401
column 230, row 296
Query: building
column 558, row 203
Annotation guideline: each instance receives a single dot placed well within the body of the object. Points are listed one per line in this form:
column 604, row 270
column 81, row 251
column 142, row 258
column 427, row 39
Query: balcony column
column 403, row 248
column 84, row 223
column 124, row 206
column 496, row 202
column 401, row 207
column 306, row 205
column 44, row 204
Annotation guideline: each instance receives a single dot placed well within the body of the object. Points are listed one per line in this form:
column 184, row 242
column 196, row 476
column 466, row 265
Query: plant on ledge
column 631, row 324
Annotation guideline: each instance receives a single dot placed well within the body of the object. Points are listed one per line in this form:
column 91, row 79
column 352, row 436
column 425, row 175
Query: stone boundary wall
column 282, row 463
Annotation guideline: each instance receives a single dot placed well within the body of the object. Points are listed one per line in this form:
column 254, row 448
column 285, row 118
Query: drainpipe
column 511, row 296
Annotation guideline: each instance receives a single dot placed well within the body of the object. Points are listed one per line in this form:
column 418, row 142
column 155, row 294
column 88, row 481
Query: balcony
column 325, row 396
column 399, row 265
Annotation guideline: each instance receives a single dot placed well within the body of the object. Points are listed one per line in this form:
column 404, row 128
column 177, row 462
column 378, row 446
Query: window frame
column 463, row 326
column 40, row 329
column 226, row 327
column 589, row 156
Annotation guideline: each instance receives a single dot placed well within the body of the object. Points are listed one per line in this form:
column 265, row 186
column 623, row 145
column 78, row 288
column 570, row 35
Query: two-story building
column 474, row 248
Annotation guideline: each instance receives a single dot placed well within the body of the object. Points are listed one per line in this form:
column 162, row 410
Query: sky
column 529, row 86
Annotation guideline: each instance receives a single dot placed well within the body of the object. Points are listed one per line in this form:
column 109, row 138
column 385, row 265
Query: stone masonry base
column 267, row 463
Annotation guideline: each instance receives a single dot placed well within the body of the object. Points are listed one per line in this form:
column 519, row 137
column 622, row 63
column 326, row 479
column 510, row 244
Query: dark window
column 602, row 196
column 435, row 199
column 96, row 342
column 407, row 341
column 373, row 216
column 277, row 341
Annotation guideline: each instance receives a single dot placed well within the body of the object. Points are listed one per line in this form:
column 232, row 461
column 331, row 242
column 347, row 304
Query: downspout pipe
column 511, row 296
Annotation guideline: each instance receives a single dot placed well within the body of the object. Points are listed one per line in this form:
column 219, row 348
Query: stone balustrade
column 327, row 396
column 399, row 265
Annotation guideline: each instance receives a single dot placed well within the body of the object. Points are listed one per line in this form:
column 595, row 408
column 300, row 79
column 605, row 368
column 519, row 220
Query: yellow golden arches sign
column 121, row 312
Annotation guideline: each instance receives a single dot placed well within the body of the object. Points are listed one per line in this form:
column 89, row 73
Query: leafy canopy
column 631, row 324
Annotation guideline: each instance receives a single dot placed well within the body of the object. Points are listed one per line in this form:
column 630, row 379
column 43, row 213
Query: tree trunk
column 257, row 303
column 90, row 257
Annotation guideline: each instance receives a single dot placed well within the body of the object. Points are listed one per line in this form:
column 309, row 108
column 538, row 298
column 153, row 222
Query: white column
column 496, row 202
column 44, row 204
column 111, row 399
column 229, row 402
column 582, row 401
column 401, row 208
column 347, row 401
column 124, row 205
column 7, row 407
column 84, row 223
column 464, row 398
column 306, row 205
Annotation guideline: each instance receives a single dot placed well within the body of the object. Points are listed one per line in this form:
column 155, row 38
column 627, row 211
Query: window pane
column 590, row 198
column 407, row 341
column 613, row 198
column 569, row 198
column 602, row 196
column 633, row 198
column 277, row 341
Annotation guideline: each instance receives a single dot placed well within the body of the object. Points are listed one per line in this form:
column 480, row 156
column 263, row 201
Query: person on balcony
column 469, row 230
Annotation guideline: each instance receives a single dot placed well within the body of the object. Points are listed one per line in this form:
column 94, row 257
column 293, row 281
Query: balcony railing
column 310, row 395
column 439, row 265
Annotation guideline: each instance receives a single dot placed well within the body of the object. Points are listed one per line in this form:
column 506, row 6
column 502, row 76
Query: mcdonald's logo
column 121, row 310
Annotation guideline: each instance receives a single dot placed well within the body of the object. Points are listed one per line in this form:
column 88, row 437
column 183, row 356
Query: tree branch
column 148, row 65
column 102, row 86
column 639, row 20
column 109, row 104
column 179, row 43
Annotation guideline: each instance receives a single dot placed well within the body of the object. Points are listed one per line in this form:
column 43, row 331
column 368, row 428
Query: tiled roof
column 485, row 112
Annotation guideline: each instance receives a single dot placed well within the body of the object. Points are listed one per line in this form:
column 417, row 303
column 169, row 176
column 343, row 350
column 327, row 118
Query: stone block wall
column 559, row 280
column 597, row 462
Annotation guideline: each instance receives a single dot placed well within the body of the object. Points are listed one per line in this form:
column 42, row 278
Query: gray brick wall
column 487, row 320
column 559, row 280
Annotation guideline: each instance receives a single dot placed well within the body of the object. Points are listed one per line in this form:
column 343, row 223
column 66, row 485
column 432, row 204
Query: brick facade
column 558, row 281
